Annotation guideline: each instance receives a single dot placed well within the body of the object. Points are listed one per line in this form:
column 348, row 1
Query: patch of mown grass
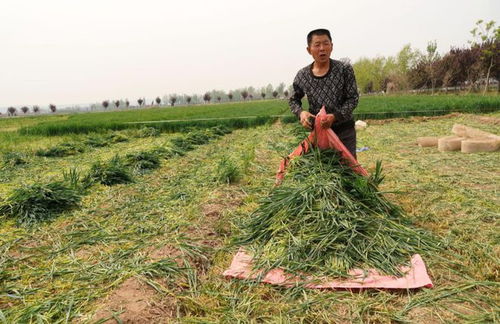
column 117, row 137
column 146, row 132
column 31, row 204
column 65, row 270
column 143, row 161
column 104, row 243
column 96, row 141
column 187, row 142
column 12, row 159
column 227, row 171
column 61, row 150
column 109, row 173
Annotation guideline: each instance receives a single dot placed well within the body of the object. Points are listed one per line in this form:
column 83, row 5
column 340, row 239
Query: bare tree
column 117, row 103
column 36, row 109
column 230, row 96
column 158, row 100
column 52, row 108
column 188, row 99
column 275, row 94
column 24, row 109
column 487, row 38
column 431, row 59
column 11, row 111
column 173, row 99
column 105, row 104
column 140, row 101
column 244, row 94
column 207, row 97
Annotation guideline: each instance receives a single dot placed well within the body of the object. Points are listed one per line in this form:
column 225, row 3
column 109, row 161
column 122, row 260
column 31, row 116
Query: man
column 330, row 83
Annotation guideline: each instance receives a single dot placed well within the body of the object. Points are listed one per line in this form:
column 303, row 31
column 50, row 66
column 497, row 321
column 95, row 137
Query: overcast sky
column 71, row 52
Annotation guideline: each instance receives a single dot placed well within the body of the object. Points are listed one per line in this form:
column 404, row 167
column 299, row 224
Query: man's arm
column 295, row 101
column 351, row 96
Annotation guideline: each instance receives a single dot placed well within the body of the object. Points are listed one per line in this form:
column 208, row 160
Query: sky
column 70, row 52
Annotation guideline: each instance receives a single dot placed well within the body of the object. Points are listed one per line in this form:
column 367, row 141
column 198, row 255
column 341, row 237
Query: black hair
column 318, row 32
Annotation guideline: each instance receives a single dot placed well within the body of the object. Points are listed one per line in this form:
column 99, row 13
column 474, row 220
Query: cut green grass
column 12, row 159
column 142, row 161
column 326, row 220
column 109, row 173
column 146, row 132
column 65, row 269
column 34, row 203
column 227, row 171
column 97, row 141
column 61, row 150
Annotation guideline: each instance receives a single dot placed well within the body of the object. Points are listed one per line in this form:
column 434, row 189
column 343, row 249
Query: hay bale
column 469, row 132
column 450, row 143
column 474, row 145
column 428, row 141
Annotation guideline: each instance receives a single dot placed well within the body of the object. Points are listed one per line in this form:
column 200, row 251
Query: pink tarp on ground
column 242, row 268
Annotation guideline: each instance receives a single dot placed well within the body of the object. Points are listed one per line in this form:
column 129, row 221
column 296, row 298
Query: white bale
column 427, row 141
column 469, row 132
column 473, row 145
column 360, row 125
column 450, row 143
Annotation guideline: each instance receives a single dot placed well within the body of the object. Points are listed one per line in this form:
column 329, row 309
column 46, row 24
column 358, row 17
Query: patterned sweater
column 336, row 90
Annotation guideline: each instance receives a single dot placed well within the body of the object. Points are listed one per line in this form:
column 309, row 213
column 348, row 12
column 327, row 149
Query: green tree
column 367, row 70
column 173, row 99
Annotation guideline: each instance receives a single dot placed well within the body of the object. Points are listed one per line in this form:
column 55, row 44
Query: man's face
column 320, row 48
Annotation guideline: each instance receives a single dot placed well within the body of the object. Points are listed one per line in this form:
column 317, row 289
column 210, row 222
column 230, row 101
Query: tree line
column 468, row 67
column 240, row 94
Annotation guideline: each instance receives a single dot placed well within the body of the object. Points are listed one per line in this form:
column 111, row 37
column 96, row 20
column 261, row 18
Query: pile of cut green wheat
column 326, row 220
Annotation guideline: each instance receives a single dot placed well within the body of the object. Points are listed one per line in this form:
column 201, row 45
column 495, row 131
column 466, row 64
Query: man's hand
column 304, row 119
column 327, row 121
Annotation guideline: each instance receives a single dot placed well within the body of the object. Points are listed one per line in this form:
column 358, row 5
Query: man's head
column 319, row 45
